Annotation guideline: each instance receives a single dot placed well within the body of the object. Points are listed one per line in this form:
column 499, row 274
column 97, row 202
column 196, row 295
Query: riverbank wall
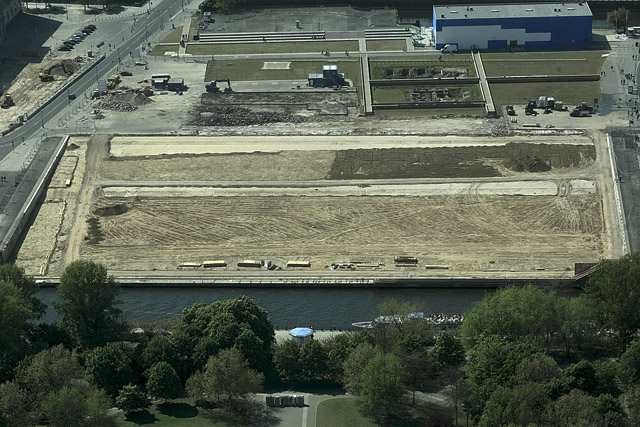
column 270, row 281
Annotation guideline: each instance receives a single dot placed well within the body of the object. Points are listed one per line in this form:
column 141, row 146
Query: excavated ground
column 501, row 206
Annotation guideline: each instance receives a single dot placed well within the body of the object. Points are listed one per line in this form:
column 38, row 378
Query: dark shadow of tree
column 178, row 410
column 141, row 417
column 243, row 413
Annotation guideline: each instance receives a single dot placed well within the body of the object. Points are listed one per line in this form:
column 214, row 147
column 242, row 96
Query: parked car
column 65, row 47
column 87, row 30
column 126, row 73
column 91, row 26
column 80, row 34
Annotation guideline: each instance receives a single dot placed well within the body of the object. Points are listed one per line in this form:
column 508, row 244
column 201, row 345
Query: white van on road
column 449, row 48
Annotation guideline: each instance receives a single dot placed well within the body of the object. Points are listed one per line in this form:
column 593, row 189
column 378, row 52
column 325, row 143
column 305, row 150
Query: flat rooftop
column 516, row 10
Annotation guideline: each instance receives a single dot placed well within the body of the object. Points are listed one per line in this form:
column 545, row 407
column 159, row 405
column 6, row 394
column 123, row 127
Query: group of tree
column 523, row 355
column 72, row 372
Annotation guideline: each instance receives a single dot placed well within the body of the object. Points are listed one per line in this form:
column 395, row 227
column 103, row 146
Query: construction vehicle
column 45, row 76
column 213, row 85
column 112, row 81
column 7, row 102
column 530, row 108
column 582, row 110
column 510, row 110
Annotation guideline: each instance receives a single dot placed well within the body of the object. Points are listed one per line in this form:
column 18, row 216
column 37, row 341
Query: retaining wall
column 12, row 236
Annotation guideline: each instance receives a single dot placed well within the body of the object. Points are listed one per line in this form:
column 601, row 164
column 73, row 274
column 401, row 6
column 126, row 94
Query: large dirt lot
column 477, row 206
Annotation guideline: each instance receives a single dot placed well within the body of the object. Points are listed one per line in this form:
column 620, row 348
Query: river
column 288, row 308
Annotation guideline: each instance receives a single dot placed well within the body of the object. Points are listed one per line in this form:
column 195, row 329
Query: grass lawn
column 376, row 68
column 386, row 44
column 176, row 413
column 341, row 412
column 174, row 36
column 403, row 93
column 427, row 113
column 570, row 93
column 271, row 47
column 519, row 64
column 160, row 50
column 247, row 70
column 194, row 26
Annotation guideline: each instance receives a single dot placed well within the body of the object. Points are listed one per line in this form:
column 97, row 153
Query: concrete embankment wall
column 177, row 281
column 12, row 236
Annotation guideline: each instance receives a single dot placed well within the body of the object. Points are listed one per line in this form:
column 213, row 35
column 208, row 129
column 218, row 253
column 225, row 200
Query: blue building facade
column 538, row 25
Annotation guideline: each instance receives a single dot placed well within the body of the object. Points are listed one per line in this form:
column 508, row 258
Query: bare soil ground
column 143, row 212
column 26, row 89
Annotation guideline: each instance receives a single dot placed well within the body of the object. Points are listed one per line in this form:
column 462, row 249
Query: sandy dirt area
column 151, row 203
column 26, row 89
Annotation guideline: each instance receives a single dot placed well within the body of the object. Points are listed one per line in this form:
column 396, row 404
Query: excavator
column 7, row 101
column 213, row 85
column 45, row 76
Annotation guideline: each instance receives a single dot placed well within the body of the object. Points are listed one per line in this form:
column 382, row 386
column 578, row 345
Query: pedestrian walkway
column 484, row 85
column 185, row 36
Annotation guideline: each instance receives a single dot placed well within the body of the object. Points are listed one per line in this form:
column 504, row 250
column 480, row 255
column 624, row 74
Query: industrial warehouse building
column 501, row 26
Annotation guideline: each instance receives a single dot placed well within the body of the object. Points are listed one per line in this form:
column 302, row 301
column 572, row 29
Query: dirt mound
column 527, row 164
column 64, row 68
column 131, row 98
column 72, row 147
column 113, row 210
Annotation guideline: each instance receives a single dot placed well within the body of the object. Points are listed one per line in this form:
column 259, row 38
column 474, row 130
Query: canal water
column 288, row 308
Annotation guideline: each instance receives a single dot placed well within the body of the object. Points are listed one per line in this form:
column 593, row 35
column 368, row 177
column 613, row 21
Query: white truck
column 449, row 48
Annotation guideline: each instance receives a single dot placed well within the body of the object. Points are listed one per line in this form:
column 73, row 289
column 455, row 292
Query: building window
column 573, row 40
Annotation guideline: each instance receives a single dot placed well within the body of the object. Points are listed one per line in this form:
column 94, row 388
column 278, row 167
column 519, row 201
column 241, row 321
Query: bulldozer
column 213, row 86
column 7, row 102
column 46, row 77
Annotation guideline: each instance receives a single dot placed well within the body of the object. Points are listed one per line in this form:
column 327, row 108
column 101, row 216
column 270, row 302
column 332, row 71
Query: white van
column 449, row 48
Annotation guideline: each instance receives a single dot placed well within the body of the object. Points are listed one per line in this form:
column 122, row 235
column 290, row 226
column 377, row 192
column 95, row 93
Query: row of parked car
column 77, row 37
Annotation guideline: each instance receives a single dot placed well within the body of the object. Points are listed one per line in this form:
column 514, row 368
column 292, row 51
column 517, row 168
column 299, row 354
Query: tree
column 98, row 405
column 578, row 326
column 513, row 313
column 48, row 371
column 523, row 405
column 538, row 369
column 618, row 17
column 312, row 361
column 15, row 405
column 382, row 384
column 614, row 290
column 630, row 364
column 355, row 364
column 204, row 330
column 88, row 303
column 339, row 347
column 575, row 409
column 13, row 317
column 130, row 399
column 448, row 350
column 285, row 359
column 15, row 275
column 492, row 363
column 109, row 368
column 160, row 349
column 227, row 377
column 65, row 407
column 164, row 381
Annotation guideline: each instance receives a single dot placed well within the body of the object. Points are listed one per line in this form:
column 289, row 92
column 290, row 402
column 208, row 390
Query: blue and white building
column 501, row 26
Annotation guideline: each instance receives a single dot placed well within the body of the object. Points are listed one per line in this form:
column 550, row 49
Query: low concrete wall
column 11, row 238
column 546, row 78
column 425, row 105
column 268, row 281
column 427, row 82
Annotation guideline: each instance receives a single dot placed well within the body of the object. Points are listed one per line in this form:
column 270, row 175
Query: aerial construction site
column 278, row 173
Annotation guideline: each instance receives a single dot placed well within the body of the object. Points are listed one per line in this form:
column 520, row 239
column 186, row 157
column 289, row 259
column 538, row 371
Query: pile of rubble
column 115, row 105
column 499, row 130
column 240, row 116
